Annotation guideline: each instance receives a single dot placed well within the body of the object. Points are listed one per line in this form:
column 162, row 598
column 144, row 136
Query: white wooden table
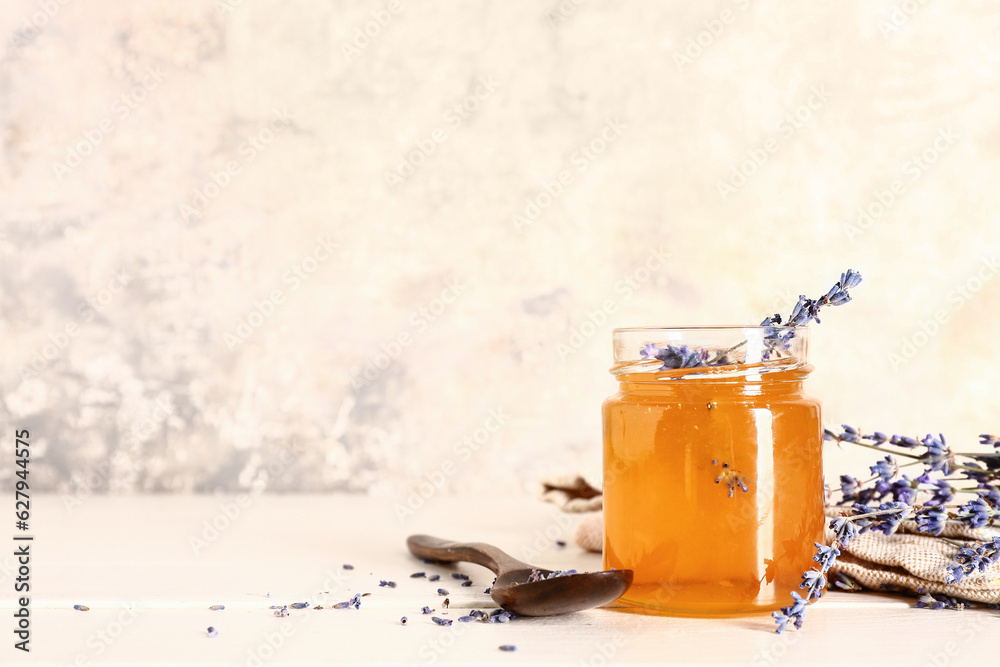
column 149, row 587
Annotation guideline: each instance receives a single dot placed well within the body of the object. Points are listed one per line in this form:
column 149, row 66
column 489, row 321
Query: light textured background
column 837, row 101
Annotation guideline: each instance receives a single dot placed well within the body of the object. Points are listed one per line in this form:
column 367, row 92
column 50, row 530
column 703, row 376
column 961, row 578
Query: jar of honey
column 713, row 476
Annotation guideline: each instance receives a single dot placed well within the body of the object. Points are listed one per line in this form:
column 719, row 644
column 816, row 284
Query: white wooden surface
column 132, row 562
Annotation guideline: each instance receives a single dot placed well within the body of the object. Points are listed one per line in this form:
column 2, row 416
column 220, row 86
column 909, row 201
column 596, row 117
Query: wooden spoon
column 513, row 592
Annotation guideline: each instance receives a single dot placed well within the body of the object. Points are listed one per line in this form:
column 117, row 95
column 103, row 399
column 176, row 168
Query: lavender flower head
column 775, row 341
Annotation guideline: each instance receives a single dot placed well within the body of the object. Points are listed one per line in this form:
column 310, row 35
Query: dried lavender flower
column 806, row 310
column 886, row 469
column 441, row 621
column 442, row 591
column 931, row 520
column 217, row 607
column 212, row 632
column 507, row 647
column 390, row 584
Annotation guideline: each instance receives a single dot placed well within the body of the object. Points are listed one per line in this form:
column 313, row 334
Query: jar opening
column 673, row 353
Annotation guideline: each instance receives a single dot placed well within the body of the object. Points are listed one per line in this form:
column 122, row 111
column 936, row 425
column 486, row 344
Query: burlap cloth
column 903, row 562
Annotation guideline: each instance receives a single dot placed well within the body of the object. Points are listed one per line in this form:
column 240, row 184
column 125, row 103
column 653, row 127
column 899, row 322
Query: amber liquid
column 694, row 550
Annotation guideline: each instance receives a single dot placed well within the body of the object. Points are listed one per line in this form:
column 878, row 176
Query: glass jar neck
column 773, row 383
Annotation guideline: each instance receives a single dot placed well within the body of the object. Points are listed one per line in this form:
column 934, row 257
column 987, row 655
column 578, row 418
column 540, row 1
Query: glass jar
column 713, row 476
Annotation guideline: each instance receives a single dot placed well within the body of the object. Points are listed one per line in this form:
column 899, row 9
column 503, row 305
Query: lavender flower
column 938, row 455
column 987, row 439
column 942, row 493
column 886, row 469
column 990, row 494
column 673, row 356
column 931, row 520
column 903, row 490
column 441, row 621
column 807, row 309
column 849, row 487
column 904, row 441
column 732, row 478
column 826, row 556
column 928, row 601
column 971, row 559
column 844, row 529
column 814, row 582
column 976, row 513
column 795, row 613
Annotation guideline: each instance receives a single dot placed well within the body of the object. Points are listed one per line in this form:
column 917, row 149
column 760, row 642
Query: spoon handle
column 480, row 553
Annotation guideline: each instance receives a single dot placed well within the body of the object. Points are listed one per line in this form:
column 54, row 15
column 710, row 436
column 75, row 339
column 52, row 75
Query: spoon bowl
column 545, row 597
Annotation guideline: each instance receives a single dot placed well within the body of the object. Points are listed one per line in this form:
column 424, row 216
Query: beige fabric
column 590, row 533
column 904, row 561
column 912, row 562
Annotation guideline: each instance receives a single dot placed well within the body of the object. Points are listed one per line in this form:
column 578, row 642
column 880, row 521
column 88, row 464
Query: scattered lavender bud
column 459, row 575
column 348, row 566
column 442, row 591
column 81, row 607
column 340, row 605
column 560, row 543
column 281, row 612
column 426, row 610
column 212, row 632
column 402, row 621
column 217, row 607
column 507, row 647
column 466, row 584
column 433, row 577
column 299, row 605
column 465, row 619
column 417, row 575
column 487, row 591
column 441, row 621
column 390, row 584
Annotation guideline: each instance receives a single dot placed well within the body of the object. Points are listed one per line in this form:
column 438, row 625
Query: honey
column 677, row 443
